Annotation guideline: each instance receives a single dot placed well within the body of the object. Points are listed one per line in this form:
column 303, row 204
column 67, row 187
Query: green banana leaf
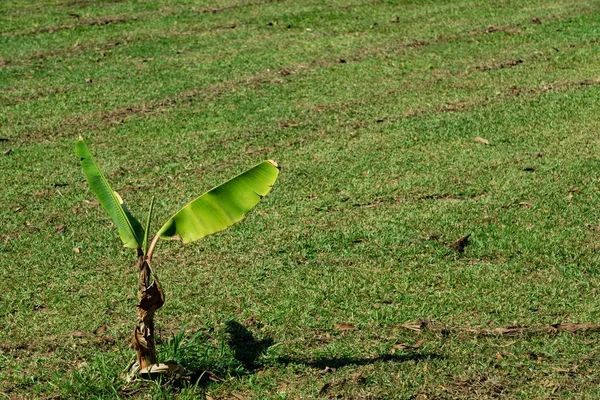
column 130, row 230
column 222, row 206
column 147, row 229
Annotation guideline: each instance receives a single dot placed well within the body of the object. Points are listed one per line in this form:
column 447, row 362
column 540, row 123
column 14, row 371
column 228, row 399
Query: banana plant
column 212, row 212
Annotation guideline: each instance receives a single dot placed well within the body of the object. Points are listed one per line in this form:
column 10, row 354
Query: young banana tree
column 212, row 212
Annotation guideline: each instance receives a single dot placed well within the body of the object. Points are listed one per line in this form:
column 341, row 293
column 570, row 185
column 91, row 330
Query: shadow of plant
column 338, row 362
column 211, row 359
column 246, row 349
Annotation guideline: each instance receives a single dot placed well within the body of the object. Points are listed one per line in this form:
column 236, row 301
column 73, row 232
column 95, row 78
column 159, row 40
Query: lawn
column 400, row 126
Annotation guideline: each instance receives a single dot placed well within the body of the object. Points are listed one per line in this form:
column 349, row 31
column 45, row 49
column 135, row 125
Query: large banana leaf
column 130, row 230
column 222, row 206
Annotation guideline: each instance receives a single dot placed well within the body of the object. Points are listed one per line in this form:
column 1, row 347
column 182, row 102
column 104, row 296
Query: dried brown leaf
column 106, row 340
column 481, row 140
column 574, row 328
column 285, row 71
column 213, row 377
column 402, row 346
column 342, row 326
column 416, row 326
column 100, row 330
column 510, row 330
column 461, row 243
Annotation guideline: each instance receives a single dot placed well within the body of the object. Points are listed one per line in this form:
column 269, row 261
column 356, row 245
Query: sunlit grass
column 371, row 109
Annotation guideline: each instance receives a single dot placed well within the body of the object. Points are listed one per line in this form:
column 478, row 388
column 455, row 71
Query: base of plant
column 171, row 369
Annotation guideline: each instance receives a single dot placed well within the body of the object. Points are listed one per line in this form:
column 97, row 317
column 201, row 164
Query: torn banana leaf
column 222, row 206
column 130, row 230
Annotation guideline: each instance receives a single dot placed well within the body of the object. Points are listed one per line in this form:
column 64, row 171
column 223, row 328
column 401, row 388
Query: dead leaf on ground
column 78, row 334
column 100, row 330
column 510, row 330
column 481, row 140
column 416, row 326
column 574, row 328
column 105, row 340
column 417, row 43
column 61, row 228
column 342, row 326
column 76, row 250
column 402, row 346
column 213, row 377
column 285, row 71
column 461, row 243
column 237, row 396
column 562, row 370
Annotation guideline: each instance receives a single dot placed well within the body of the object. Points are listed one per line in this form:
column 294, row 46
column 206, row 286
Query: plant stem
column 151, row 248
column 150, row 299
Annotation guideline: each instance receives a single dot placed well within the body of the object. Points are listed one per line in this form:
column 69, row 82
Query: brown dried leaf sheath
column 151, row 298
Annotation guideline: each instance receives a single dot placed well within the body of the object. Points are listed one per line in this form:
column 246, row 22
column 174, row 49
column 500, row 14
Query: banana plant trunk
column 150, row 299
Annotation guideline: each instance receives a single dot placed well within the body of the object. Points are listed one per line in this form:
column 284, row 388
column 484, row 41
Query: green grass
column 371, row 108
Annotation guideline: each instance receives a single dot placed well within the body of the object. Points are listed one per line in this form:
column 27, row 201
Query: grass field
column 342, row 283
